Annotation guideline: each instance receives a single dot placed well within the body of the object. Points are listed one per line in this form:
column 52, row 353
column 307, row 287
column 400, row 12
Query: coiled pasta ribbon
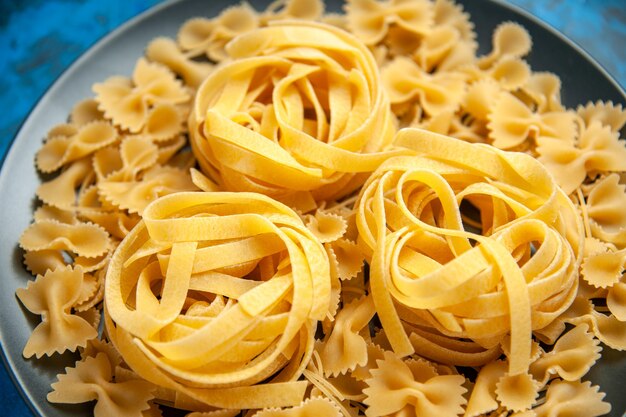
column 297, row 113
column 467, row 242
column 212, row 293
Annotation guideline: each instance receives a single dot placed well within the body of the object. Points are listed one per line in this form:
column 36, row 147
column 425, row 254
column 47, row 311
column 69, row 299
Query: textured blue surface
column 40, row 38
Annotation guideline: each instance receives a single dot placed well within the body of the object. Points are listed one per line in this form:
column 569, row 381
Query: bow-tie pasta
column 52, row 296
column 297, row 212
column 91, row 379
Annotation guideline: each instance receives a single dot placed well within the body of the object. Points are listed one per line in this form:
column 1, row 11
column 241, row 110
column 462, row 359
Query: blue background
column 40, row 38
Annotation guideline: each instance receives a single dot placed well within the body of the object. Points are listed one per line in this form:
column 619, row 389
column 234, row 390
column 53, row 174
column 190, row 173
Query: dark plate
column 583, row 80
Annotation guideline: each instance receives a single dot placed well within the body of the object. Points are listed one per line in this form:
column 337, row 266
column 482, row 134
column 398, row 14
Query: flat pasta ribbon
column 433, row 276
column 290, row 119
column 213, row 293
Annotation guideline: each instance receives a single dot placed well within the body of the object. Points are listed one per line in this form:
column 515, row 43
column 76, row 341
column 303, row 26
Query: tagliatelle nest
column 298, row 122
column 428, row 274
column 235, row 264
column 289, row 212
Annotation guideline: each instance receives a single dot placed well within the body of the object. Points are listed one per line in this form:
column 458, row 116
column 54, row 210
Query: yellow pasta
column 312, row 407
column 544, row 89
column 603, row 206
column 165, row 51
column 345, row 348
column 509, row 40
column 210, row 36
column 422, row 256
column 60, row 150
column 83, row 239
column 91, row 380
column 263, row 299
column 52, row 296
column 134, row 196
column 574, row 399
column 397, row 388
column 512, row 124
column 288, row 212
column 291, row 120
column 326, row 226
column 571, row 357
column 405, row 81
column 597, row 150
column 370, row 20
column 606, row 113
column 128, row 102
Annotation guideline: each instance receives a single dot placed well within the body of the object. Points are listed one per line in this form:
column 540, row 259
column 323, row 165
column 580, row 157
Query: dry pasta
column 289, row 212
column 263, row 298
column 292, row 121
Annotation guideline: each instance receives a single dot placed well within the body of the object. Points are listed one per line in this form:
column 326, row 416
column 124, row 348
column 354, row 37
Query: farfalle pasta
column 512, row 124
column 399, row 388
column 406, row 83
column 128, row 102
column 312, row 407
column 572, row 399
column 597, row 150
column 165, row 51
column 345, row 348
column 52, row 296
column 134, row 196
column 209, row 36
column 290, row 120
column 289, row 212
column 91, row 380
column 371, row 20
column 571, row 357
column 509, row 40
column 602, row 207
column 83, row 239
column 60, row 150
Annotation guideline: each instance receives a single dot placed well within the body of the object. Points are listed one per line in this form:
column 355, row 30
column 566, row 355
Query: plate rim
column 9, row 363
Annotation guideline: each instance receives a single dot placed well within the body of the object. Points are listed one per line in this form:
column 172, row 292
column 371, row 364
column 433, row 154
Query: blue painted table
column 40, row 38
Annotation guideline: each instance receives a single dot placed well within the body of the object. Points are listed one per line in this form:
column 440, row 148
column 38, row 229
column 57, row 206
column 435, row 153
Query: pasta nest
column 296, row 113
column 212, row 293
column 459, row 236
